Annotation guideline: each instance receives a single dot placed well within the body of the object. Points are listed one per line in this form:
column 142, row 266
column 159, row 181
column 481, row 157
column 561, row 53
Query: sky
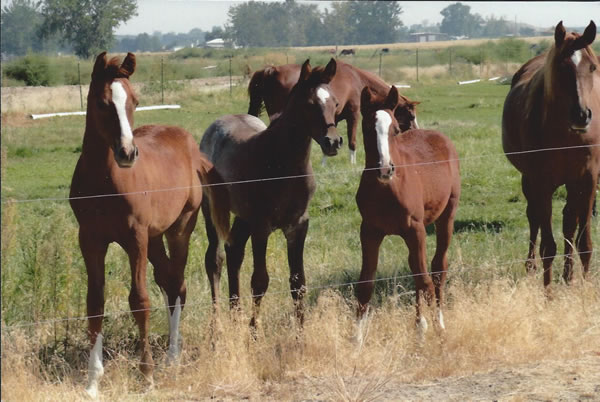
column 181, row 16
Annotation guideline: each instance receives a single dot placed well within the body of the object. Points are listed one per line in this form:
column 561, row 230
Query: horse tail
column 217, row 198
column 255, row 91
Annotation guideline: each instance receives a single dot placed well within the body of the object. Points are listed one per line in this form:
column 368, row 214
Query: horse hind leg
column 444, row 228
column 534, row 226
column 214, row 256
column 94, row 253
column 239, row 235
column 569, row 227
column 417, row 260
column 584, row 241
column 178, row 239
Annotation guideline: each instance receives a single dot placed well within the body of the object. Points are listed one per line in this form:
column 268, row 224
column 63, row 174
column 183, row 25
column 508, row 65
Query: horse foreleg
column 547, row 243
column 94, row 252
column 417, row 260
column 260, row 277
column 137, row 249
column 352, row 125
column 370, row 242
column 239, row 234
column 295, row 237
column 569, row 226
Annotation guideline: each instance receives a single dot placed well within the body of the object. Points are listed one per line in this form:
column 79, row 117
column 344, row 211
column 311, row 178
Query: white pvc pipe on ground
column 139, row 109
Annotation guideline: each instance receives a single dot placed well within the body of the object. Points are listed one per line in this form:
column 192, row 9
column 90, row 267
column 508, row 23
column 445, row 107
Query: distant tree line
column 86, row 27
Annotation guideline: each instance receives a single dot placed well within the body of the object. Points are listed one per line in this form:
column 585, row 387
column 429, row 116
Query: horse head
column 406, row 113
column 317, row 104
column 111, row 103
column 379, row 122
column 573, row 67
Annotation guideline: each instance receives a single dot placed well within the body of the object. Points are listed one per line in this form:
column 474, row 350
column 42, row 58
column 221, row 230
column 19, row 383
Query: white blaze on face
column 95, row 368
column 576, row 58
column 323, row 95
column 382, row 126
column 416, row 124
column 119, row 97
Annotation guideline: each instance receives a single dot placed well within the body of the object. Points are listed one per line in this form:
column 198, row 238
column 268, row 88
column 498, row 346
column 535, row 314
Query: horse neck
column 94, row 146
column 289, row 140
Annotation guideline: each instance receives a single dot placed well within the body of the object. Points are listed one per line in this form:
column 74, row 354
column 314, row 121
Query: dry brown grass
column 490, row 326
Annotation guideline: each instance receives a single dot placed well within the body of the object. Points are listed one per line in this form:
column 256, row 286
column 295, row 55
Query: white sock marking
column 422, row 327
column 95, row 368
column 324, row 161
column 119, row 97
column 441, row 319
column 382, row 127
column 322, row 94
column 416, row 123
column 173, row 352
column 353, row 157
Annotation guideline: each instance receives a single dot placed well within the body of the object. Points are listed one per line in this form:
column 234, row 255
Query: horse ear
column 590, row 33
column 415, row 103
column 305, row 71
column 99, row 66
column 559, row 34
column 329, row 71
column 365, row 99
column 392, row 98
column 128, row 66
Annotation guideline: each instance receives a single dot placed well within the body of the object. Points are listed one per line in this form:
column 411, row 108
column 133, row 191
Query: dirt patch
column 548, row 380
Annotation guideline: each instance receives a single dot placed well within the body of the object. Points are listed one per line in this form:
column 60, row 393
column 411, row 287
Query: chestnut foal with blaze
column 117, row 195
column 410, row 180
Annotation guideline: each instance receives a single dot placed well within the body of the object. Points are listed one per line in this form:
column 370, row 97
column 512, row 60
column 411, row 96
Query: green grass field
column 43, row 276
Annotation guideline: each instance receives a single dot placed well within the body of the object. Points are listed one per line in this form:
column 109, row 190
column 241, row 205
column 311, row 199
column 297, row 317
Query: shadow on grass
column 470, row 225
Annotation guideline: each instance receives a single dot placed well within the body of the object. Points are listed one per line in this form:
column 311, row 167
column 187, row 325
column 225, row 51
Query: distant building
column 215, row 43
column 427, row 36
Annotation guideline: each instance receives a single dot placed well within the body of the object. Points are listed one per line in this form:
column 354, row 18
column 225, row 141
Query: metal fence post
column 480, row 63
column 80, row 91
column 450, row 59
column 162, row 80
column 230, row 76
column 380, row 56
column 417, row 64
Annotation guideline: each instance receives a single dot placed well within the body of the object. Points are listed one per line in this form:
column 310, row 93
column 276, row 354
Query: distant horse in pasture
column 410, row 181
column 551, row 133
column 117, row 195
column 347, row 52
column 273, row 84
column 274, row 183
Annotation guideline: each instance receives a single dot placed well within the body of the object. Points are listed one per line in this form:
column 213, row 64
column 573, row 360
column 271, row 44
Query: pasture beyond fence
column 161, row 76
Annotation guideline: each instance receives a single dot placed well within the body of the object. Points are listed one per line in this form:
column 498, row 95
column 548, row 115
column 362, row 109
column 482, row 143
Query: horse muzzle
column 386, row 172
column 581, row 120
column 332, row 142
column 126, row 158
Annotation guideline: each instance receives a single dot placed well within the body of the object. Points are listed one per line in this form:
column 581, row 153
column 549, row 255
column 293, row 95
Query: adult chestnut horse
column 409, row 181
column 273, row 84
column 116, row 195
column 273, row 183
column 554, row 102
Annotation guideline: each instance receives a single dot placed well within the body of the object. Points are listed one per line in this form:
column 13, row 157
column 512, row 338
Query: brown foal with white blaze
column 118, row 195
column 410, row 181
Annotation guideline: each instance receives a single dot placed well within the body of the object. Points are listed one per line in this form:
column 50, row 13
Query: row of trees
column 87, row 26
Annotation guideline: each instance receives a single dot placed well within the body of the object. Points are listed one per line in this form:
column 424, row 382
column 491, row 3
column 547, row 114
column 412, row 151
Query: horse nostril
column 589, row 114
column 136, row 152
